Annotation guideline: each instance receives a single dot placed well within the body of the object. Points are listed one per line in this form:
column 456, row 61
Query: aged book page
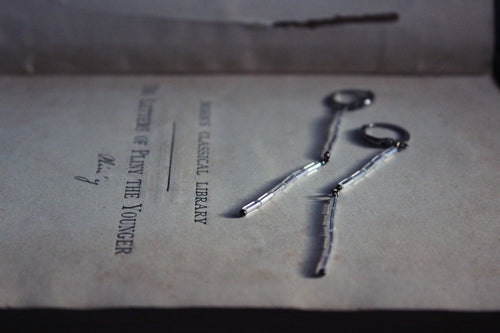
column 124, row 191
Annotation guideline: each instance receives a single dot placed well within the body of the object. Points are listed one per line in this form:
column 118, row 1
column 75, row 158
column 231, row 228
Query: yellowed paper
column 124, row 191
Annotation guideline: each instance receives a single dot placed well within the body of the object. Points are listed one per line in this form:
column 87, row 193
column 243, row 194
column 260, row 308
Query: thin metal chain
column 332, row 136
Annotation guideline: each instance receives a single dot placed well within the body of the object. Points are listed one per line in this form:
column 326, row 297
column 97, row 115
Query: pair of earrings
column 339, row 102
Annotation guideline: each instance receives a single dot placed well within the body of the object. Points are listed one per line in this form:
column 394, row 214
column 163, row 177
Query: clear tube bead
column 265, row 198
column 313, row 167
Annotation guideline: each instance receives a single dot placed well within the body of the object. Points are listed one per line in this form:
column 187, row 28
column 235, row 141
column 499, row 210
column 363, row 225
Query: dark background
column 245, row 320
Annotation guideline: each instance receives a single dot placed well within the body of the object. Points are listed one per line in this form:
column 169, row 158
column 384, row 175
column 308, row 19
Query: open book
column 122, row 191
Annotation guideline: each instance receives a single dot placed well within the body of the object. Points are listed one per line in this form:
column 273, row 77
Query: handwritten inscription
column 104, row 163
column 132, row 205
column 202, row 165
